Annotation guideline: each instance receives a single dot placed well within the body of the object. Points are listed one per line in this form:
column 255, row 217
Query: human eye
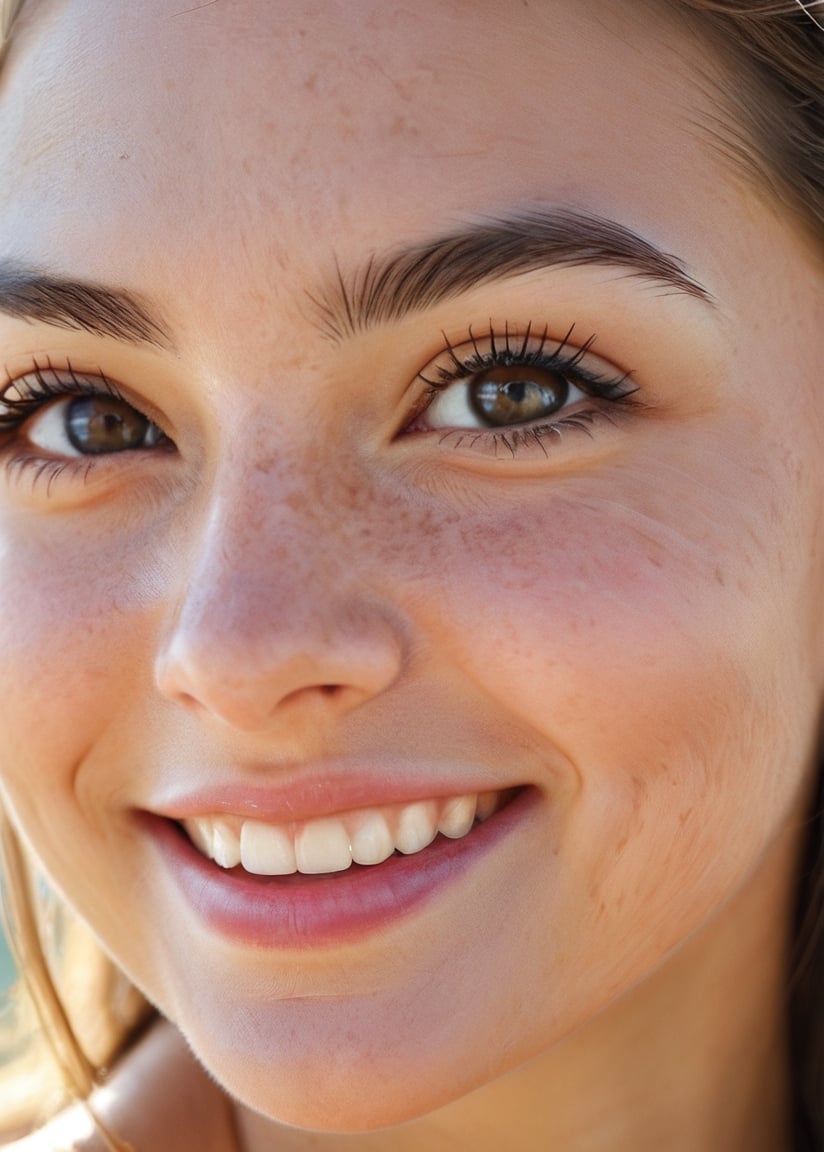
column 61, row 418
column 520, row 389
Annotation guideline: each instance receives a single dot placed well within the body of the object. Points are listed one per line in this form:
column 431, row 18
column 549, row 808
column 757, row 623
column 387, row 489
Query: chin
column 347, row 1094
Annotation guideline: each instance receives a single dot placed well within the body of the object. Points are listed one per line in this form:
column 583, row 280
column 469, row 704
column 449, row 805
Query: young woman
column 411, row 506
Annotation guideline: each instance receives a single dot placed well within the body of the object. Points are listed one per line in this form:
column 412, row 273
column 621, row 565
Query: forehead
column 169, row 131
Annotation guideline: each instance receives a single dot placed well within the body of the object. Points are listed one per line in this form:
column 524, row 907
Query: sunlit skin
column 627, row 620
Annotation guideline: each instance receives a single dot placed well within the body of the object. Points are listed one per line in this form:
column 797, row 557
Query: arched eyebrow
column 28, row 293
column 387, row 288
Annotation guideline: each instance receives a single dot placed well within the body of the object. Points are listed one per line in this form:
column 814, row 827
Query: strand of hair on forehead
column 23, row 937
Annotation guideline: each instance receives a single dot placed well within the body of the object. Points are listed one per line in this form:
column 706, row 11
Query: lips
column 366, row 836
column 314, row 905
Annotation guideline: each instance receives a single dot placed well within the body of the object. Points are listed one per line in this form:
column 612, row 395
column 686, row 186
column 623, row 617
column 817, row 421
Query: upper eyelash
column 50, row 385
column 516, row 351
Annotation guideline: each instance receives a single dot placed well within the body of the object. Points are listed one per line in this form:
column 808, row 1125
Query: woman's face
column 346, row 518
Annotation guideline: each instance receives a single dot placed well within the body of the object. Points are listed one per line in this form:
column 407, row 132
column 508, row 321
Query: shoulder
column 157, row 1097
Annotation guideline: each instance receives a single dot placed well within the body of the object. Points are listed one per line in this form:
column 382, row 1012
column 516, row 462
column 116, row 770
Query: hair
column 776, row 47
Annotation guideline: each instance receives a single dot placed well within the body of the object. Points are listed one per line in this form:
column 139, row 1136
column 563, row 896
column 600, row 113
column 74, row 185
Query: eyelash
column 41, row 383
column 528, row 351
column 15, row 412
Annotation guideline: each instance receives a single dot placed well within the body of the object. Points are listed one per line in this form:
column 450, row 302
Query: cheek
column 645, row 643
column 70, row 660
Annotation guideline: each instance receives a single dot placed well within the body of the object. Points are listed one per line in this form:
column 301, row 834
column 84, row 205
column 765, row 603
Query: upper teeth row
column 331, row 844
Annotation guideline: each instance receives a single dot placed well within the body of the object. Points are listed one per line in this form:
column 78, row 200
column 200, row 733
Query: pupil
column 517, row 394
column 104, row 424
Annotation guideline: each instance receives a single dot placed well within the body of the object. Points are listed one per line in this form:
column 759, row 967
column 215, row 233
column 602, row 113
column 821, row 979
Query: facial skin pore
column 304, row 580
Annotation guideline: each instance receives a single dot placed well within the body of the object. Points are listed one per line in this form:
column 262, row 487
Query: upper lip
column 279, row 795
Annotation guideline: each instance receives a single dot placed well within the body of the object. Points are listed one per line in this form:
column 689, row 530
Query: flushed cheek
column 610, row 634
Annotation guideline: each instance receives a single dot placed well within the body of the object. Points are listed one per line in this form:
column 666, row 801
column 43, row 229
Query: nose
column 276, row 628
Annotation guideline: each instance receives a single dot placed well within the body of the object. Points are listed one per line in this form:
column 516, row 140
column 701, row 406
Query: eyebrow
column 31, row 294
column 420, row 276
column 385, row 289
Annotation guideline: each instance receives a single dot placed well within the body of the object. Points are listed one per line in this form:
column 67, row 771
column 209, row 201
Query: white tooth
column 323, row 846
column 457, row 817
column 371, row 840
column 416, row 827
column 487, row 802
column 201, row 834
column 225, row 846
column 266, row 850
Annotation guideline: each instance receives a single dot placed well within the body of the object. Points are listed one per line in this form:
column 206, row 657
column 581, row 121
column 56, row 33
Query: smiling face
column 545, row 530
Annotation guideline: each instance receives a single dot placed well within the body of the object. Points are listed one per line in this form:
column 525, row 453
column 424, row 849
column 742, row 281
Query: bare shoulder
column 158, row 1097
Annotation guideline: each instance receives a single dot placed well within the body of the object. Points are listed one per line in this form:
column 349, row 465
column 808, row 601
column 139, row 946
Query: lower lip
column 299, row 912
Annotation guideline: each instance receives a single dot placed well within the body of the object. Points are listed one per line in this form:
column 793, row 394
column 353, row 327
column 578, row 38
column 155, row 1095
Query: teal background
column 8, row 972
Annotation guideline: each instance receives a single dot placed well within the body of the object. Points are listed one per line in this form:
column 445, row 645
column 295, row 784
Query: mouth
column 334, row 880
column 332, row 844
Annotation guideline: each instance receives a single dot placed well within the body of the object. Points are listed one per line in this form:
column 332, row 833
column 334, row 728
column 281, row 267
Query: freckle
column 621, row 845
column 402, row 127
column 719, row 576
column 311, row 82
column 638, row 792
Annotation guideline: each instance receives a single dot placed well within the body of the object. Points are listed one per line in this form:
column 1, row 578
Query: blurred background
column 7, row 969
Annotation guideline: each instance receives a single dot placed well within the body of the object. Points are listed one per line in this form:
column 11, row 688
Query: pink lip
column 302, row 912
column 283, row 796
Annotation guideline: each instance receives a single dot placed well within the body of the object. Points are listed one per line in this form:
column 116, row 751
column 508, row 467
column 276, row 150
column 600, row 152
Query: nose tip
column 297, row 674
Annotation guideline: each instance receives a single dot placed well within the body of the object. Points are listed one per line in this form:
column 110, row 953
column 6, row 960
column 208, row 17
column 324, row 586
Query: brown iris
column 97, row 424
column 516, row 395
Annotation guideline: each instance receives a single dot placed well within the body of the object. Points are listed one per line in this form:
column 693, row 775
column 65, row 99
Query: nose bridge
column 259, row 545
column 274, row 606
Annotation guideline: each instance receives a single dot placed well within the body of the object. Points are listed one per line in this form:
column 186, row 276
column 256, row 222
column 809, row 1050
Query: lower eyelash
column 516, row 438
column 43, row 471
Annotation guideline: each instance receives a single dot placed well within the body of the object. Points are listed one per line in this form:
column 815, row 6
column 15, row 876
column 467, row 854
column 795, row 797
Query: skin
column 631, row 624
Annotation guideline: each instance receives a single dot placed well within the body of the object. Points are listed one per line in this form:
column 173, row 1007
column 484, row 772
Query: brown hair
column 777, row 48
